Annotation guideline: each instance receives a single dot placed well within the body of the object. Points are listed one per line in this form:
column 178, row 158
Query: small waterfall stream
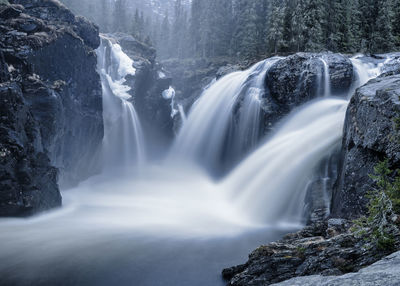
column 123, row 143
column 327, row 79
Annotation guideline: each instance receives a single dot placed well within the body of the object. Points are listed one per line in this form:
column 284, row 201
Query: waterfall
column 365, row 70
column 123, row 137
column 228, row 109
column 126, row 224
column 327, row 79
column 271, row 183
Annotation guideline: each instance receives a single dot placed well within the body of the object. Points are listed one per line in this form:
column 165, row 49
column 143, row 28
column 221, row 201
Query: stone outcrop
column 299, row 78
column 48, row 63
column 384, row 272
column 371, row 134
column 324, row 248
column 28, row 182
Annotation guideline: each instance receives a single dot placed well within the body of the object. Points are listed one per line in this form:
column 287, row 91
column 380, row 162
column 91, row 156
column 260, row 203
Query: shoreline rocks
column 325, row 248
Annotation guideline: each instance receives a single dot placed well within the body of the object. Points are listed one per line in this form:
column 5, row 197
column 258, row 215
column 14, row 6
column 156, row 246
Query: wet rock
column 299, row 78
column 371, row 134
column 223, row 71
column 48, row 53
column 191, row 76
column 313, row 250
column 28, row 182
column 7, row 12
column 384, row 272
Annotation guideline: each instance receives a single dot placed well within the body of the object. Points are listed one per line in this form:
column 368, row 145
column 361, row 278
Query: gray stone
column 371, row 135
column 384, row 272
column 48, row 58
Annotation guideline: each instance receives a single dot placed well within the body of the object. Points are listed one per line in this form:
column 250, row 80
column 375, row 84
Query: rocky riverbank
column 384, row 272
column 324, row 248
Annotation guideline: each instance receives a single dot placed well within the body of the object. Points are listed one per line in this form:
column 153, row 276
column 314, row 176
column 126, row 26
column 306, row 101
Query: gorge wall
column 371, row 135
column 52, row 125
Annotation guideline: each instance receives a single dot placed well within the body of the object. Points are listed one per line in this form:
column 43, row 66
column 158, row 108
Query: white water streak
column 123, row 140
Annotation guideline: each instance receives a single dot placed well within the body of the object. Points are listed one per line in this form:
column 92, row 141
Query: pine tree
column 164, row 42
column 299, row 25
column 396, row 22
column 382, row 39
column 104, row 16
column 314, row 21
column 276, row 25
column 119, row 16
column 245, row 36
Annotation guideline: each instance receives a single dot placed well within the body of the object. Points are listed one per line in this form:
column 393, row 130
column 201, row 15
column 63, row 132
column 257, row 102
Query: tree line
column 255, row 28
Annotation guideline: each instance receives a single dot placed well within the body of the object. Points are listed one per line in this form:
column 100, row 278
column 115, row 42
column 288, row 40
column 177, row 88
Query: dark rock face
column 28, row 183
column 324, row 248
column 190, row 77
column 147, row 87
column 371, row 134
column 299, row 78
column 47, row 56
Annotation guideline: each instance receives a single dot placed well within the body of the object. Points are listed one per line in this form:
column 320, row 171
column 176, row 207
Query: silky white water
column 209, row 123
column 173, row 224
column 123, row 143
column 327, row 80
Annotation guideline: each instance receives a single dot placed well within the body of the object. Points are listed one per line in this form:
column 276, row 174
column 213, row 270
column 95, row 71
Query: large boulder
column 371, row 134
column 299, row 78
column 49, row 54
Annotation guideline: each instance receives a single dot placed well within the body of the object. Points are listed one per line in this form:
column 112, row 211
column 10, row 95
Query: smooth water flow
column 163, row 225
column 327, row 79
column 229, row 110
column 273, row 179
column 123, row 143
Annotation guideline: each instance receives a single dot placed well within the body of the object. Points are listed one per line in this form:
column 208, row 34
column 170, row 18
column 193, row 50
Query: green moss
column 384, row 201
column 396, row 122
column 301, row 252
column 386, row 243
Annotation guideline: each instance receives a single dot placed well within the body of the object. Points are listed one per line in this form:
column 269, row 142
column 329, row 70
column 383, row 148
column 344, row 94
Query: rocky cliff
column 371, row 134
column 51, row 94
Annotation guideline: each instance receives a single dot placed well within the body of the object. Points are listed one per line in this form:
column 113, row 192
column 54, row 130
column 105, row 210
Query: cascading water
column 164, row 225
column 123, row 140
column 273, row 179
column 327, row 80
column 365, row 70
column 212, row 121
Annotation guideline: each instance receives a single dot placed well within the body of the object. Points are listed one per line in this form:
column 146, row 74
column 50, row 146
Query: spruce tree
column 275, row 20
column 314, row 21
